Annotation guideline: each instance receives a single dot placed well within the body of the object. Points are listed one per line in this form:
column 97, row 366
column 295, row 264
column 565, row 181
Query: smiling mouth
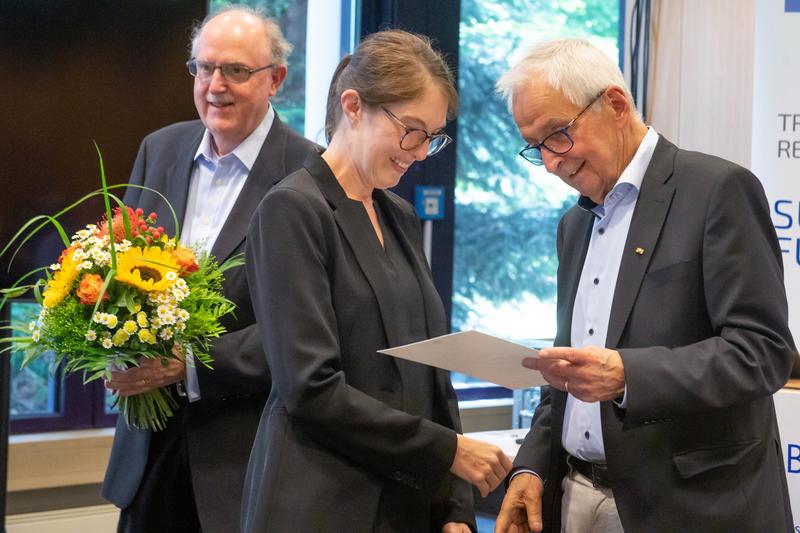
column 400, row 164
column 572, row 174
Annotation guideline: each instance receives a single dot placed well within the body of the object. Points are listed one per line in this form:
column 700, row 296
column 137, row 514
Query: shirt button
column 591, row 331
column 596, row 281
column 601, row 231
column 586, row 435
column 206, row 221
column 218, row 182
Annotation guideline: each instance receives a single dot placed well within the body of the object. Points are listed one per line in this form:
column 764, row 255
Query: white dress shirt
column 215, row 186
column 582, row 434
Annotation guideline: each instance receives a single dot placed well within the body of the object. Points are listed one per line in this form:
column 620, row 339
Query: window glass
column 507, row 210
column 34, row 389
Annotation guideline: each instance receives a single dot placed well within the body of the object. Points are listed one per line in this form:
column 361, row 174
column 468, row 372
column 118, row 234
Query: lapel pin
column 639, row 250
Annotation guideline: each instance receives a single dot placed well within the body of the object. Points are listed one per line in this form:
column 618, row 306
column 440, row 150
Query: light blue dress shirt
column 215, row 185
column 582, row 434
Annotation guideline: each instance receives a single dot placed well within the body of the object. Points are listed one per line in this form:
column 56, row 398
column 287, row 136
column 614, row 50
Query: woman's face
column 378, row 157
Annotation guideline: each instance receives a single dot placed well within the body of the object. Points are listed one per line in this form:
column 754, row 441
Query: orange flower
column 89, row 289
column 186, row 259
column 67, row 252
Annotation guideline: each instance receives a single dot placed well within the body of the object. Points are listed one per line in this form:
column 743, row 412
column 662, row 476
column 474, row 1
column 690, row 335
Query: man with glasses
column 672, row 323
column 214, row 171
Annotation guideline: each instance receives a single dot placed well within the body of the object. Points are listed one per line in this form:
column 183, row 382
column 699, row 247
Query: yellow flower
column 141, row 319
column 130, row 327
column 61, row 283
column 146, row 268
column 120, row 337
column 145, row 336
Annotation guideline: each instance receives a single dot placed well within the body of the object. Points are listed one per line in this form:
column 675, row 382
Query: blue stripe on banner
column 792, row 6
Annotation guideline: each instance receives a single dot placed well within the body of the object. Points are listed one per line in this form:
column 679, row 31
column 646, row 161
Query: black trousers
column 165, row 500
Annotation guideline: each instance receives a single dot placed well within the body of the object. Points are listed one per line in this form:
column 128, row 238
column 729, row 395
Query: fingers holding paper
column 482, row 464
column 590, row 374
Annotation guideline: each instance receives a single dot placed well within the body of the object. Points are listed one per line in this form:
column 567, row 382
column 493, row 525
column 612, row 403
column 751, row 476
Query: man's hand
column 151, row 374
column 590, row 374
column 521, row 510
column 484, row 465
column 455, row 527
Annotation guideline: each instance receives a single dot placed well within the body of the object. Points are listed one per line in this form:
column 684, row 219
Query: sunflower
column 146, row 268
column 61, row 283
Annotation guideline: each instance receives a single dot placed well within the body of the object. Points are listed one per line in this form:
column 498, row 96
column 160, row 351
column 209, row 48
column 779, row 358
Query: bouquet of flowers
column 120, row 290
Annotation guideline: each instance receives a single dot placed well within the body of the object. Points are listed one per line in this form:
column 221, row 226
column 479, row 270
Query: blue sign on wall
column 429, row 201
column 792, row 6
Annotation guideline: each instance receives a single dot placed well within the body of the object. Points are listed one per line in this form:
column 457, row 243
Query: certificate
column 475, row 354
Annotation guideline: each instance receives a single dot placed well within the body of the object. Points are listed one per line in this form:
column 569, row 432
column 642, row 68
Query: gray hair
column 574, row 67
column 276, row 42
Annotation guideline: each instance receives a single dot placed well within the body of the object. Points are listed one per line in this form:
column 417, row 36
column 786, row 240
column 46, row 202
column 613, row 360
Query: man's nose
column 551, row 161
column 217, row 83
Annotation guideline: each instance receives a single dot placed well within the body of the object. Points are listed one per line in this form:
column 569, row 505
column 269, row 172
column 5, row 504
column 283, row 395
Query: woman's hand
column 482, row 464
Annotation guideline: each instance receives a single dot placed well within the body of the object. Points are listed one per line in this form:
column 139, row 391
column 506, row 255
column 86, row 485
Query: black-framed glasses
column 559, row 142
column 234, row 72
column 414, row 137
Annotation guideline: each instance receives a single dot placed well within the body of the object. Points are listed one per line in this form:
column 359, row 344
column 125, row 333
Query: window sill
column 58, row 459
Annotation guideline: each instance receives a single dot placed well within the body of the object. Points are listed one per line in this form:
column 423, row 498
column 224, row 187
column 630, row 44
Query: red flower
column 118, row 224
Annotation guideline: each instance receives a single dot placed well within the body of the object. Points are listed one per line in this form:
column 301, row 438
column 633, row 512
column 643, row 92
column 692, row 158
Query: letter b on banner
column 793, row 459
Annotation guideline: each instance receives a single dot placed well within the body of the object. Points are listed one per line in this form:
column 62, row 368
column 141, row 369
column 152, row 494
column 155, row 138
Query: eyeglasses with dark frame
column 559, row 142
column 234, row 72
column 415, row 137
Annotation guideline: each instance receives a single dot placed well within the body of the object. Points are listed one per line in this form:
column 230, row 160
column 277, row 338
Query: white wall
column 701, row 86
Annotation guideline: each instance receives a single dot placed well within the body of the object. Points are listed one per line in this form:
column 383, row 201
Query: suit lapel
column 577, row 234
column 648, row 219
column 354, row 223
column 179, row 175
column 268, row 169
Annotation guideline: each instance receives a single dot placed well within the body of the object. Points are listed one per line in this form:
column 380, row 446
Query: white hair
column 276, row 42
column 574, row 67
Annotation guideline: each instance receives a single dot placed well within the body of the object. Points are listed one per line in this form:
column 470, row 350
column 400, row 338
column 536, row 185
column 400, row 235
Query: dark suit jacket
column 221, row 426
column 336, row 449
column 700, row 320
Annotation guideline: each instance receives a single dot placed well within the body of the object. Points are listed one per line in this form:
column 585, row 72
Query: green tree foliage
column 505, row 221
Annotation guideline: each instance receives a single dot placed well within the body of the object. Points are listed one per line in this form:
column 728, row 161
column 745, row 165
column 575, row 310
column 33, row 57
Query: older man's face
column 593, row 165
column 231, row 111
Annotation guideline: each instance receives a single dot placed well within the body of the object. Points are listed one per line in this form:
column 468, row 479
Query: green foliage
column 207, row 305
column 65, row 326
column 505, row 221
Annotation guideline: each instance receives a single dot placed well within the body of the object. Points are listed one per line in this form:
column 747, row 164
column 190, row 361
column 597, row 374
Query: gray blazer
column 700, row 320
column 221, row 426
column 346, row 442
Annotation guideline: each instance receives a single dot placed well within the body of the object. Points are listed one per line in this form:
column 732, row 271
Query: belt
column 597, row 473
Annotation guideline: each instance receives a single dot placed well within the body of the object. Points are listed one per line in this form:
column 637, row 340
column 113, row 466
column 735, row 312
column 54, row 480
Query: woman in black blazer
column 353, row 440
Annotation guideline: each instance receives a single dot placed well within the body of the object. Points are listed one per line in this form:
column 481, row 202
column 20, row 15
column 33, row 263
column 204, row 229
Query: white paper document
column 476, row 354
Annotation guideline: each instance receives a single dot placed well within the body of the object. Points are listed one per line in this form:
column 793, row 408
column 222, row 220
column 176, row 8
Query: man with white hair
column 672, row 323
column 214, row 171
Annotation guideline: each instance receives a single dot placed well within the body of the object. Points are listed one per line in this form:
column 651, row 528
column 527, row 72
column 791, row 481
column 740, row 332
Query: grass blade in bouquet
column 120, row 292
